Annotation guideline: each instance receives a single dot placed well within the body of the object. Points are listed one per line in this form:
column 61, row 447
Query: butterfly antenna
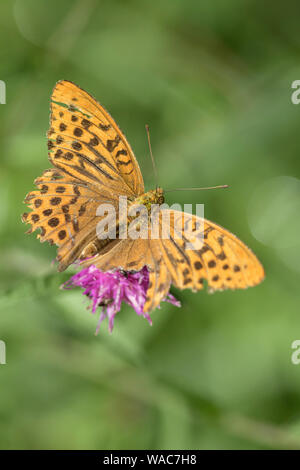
column 222, row 186
column 151, row 154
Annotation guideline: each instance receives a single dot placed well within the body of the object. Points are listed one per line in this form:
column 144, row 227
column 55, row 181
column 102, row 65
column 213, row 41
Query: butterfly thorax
column 155, row 196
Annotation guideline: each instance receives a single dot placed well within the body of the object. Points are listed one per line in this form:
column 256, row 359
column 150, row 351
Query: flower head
column 108, row 290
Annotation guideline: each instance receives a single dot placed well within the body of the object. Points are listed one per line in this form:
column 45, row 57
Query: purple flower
column 108, row 289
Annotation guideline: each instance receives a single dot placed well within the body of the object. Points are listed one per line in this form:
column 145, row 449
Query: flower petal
column 108, row 290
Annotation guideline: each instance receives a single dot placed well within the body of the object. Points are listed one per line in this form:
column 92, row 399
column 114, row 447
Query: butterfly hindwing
column 133, row 255
column 159, row 278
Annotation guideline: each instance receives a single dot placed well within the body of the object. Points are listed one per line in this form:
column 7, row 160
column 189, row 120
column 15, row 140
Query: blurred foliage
column 213, row 81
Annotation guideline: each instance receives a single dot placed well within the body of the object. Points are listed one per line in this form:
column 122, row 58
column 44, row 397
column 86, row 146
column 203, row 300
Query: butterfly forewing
column 94, row 164
column 223, row 261
column 85, row 141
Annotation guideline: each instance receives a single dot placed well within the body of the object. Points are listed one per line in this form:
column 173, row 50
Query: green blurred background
column 213, row 81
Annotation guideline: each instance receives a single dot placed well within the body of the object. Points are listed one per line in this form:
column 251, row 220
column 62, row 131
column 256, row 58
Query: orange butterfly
column 94, row 164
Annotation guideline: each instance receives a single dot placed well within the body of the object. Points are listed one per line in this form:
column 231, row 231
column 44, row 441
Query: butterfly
column 93, row 163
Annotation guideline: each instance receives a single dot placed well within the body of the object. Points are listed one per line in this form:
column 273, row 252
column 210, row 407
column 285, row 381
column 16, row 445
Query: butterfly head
column 159, row 195
column 156, row 196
